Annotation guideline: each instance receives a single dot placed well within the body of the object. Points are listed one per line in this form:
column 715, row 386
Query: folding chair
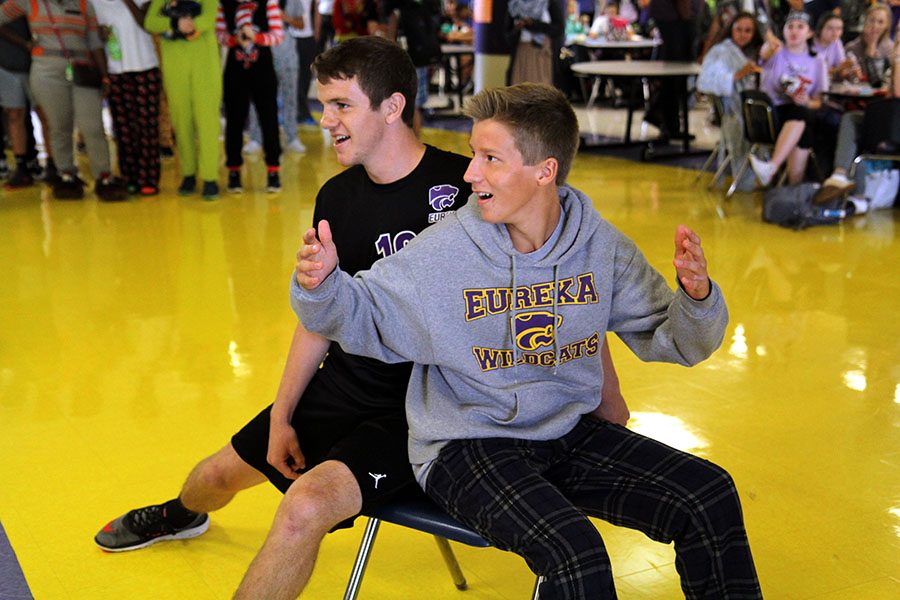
column 759, row 129
column 880, row 138
column 422, row 515
column 720, row 149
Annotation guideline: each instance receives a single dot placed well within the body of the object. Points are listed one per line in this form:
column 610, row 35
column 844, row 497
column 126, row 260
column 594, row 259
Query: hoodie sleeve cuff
column 323, row 293
column 701, row 308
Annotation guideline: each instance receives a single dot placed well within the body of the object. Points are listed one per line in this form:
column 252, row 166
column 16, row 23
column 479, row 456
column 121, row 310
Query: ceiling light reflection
column 238, row 366
column 855, row 380
column 667, row 429
column 738, row 347
column 895, row 511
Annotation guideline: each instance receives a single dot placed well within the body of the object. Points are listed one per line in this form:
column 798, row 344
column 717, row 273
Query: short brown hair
column 381, row 68
column 538, row 116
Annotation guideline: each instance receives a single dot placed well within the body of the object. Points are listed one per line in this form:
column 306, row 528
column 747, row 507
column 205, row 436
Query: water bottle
column 854, row 77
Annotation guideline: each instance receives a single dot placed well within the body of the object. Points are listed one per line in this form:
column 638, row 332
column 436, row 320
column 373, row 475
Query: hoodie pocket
column 551, row 407
column 503, row 412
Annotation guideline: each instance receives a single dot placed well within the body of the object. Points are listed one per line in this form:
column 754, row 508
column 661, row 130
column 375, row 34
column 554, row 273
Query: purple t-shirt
column 832, row 54
column 786, row 73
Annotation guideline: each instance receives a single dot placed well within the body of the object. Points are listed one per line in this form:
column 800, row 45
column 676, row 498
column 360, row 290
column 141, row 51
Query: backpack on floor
column 792, row 206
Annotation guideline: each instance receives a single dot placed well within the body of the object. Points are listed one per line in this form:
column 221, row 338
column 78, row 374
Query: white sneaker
column 764, row 170
column 837, row 180
column 860, row 204
column 296, row 146
column 251, row 147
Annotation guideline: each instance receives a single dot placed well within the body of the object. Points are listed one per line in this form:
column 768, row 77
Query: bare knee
column 320, row 499
column 226, row 472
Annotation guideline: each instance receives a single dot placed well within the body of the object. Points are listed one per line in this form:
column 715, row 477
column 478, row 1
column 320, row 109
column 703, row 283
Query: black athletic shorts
column 373, row 446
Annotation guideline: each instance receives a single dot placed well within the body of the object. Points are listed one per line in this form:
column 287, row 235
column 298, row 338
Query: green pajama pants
column 192, row 76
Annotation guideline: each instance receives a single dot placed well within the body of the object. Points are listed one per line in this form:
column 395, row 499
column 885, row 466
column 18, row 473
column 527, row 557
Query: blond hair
column 539, row 117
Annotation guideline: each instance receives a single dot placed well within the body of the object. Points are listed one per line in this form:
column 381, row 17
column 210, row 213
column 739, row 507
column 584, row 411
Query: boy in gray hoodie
column 503, row 307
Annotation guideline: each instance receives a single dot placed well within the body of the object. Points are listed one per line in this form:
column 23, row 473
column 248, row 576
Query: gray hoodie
column 490, row 363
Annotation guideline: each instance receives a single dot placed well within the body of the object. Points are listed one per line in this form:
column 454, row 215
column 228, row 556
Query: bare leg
column 796, row 165
column 15, row 119
column 216, row 479
column 787, row 140
column 320, row 499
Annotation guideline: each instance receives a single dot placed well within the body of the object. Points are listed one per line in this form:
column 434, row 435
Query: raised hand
column 317, row 257
column 749, row 68
column 690, row 263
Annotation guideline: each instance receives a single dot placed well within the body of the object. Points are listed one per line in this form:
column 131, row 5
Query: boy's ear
column 393, row 107
column 548, row 169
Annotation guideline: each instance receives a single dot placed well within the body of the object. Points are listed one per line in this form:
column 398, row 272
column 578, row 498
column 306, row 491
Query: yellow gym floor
column 135, row 338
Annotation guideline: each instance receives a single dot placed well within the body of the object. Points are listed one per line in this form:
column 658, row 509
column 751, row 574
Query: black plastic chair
column 759, row 129
column 421, row 515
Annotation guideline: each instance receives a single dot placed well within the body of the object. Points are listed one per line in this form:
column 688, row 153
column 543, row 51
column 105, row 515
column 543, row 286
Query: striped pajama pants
column 531, row 498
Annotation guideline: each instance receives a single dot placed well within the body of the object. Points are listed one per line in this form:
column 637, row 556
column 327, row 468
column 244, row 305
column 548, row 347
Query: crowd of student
column 80, row 53
column 795, row 71
column 793, row 51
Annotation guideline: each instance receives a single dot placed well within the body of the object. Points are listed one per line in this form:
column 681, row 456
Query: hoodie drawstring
column 556, row 350
column 512, row 320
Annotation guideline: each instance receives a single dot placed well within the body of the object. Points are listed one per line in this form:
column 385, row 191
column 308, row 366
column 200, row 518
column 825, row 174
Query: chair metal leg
column 737, row 177
column 745, row 164
column 595, row 91
column 459, row 580
column 782, row 178
column 709, row 161
column 362, row 558
column 536, row 594
column 720, row 172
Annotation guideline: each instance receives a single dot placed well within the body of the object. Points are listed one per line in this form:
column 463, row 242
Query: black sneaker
column 273, row 182
column 234, row 182
column 210, row 190
column 188, row 185
column 68, row 186
column 144, row 527
column 34, row 168
column 51, row 173
column 20, row 179
column 110, row 189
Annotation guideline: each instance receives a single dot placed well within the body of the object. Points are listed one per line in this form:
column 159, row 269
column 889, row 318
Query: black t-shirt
column 370, row 221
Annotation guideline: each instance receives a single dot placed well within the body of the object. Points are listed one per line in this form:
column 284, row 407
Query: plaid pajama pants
column 531, row 497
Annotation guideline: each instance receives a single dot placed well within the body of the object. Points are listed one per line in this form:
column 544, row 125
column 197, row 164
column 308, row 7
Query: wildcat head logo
column 442, row 196
column 535, row 329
